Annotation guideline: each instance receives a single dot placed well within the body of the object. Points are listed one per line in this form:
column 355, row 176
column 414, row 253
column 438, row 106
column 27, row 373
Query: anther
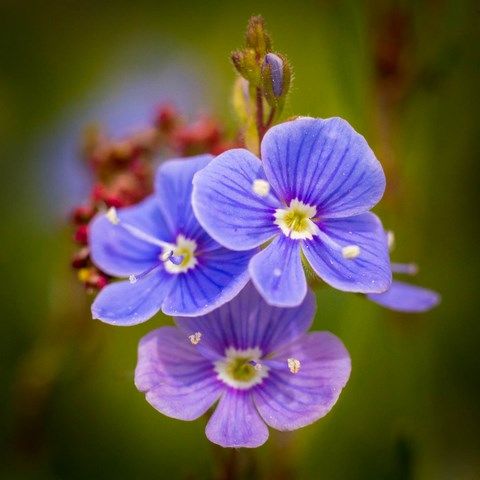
column 261, row 187
column 195, row 338
column 350, row 252
column 132, row 279
column 112, row 216
column 176, row 259
column 294, row 365
column 166, row 255
column 256, row 365
column 390, row 240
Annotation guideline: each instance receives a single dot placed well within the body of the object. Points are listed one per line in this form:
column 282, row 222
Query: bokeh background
column 405, row 74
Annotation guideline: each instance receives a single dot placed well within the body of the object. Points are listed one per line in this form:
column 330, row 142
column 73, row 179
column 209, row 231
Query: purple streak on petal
column 248, row 321
column 116, row 251
column 173, row 188
column 325, row 163
column 236, row 423
column 278, row 274
column 407, row 298
column 288, row 401
column 178, row 381
column 368, row 273
column 217, row 278
column 227, row 207
column 124, row 303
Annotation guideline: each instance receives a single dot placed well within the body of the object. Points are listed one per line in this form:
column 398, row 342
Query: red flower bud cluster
column 123, row 170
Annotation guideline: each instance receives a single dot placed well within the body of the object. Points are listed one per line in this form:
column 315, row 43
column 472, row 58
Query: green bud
column 257, row 37
column 246, row 65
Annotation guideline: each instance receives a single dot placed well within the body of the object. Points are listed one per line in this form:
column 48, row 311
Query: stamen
column 134, row 278
column 112, row 216
column 195, row 338
column 294, row 365
column 350, row 251
column 136, row 232
column 406, row 268
column 390, row 240
column 261, row 187
column 114, row 219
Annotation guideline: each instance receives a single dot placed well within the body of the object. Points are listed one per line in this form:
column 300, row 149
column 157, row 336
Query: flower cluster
column 123, row 170
column 222, row 242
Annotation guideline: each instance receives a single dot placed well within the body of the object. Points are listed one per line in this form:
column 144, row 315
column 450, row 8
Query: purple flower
column 310, row 199
column 256, row 360
column 170, row 261
column 404, row 297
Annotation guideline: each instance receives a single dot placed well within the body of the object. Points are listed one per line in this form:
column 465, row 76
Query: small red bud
column 167, row 118
column 81, row 234
column 82, row 214
column 80, row 259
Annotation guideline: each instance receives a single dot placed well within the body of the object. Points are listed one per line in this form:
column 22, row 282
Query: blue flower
column 170, row 261
column 309, row 198
column 256, row 360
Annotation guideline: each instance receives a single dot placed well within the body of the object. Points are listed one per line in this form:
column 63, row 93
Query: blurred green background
column 405, row 74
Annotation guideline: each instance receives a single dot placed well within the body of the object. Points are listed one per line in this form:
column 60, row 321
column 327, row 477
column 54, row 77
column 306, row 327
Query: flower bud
column 246, row 65
column 256, row 36
column 276, row 75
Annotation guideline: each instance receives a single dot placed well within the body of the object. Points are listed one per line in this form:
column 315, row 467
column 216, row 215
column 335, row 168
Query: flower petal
column 325, row 163
column 178, row 381
column 236, row 422
column 173, row 188
column 248, row 322
column 116, row 251
column 404, row 297
column 217, row 278
column 287, row 401
column 369, row 272
column 124, row 303
column 227, row 207
column 278, row 274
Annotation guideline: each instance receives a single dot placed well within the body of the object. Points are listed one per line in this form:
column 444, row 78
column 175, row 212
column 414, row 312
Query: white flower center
column 296, row 220
column 181, row 258
column 241, row 369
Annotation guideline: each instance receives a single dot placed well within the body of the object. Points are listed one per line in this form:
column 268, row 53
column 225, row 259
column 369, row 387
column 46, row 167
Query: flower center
column 296, row 220
column 241, row 369
column 181, row 258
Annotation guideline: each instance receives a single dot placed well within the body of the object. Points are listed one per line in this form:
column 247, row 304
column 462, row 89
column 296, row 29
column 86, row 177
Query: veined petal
column 173, row 188
column 404, row 297
column 325, row 163
column 124, row 303
column 177, row 380
column 226, row 205
column 278, row 274
column 287, row 401
column 218, row 277
column 369, row 272
column 119, row 253
column 236, row 423
column 249, row 322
